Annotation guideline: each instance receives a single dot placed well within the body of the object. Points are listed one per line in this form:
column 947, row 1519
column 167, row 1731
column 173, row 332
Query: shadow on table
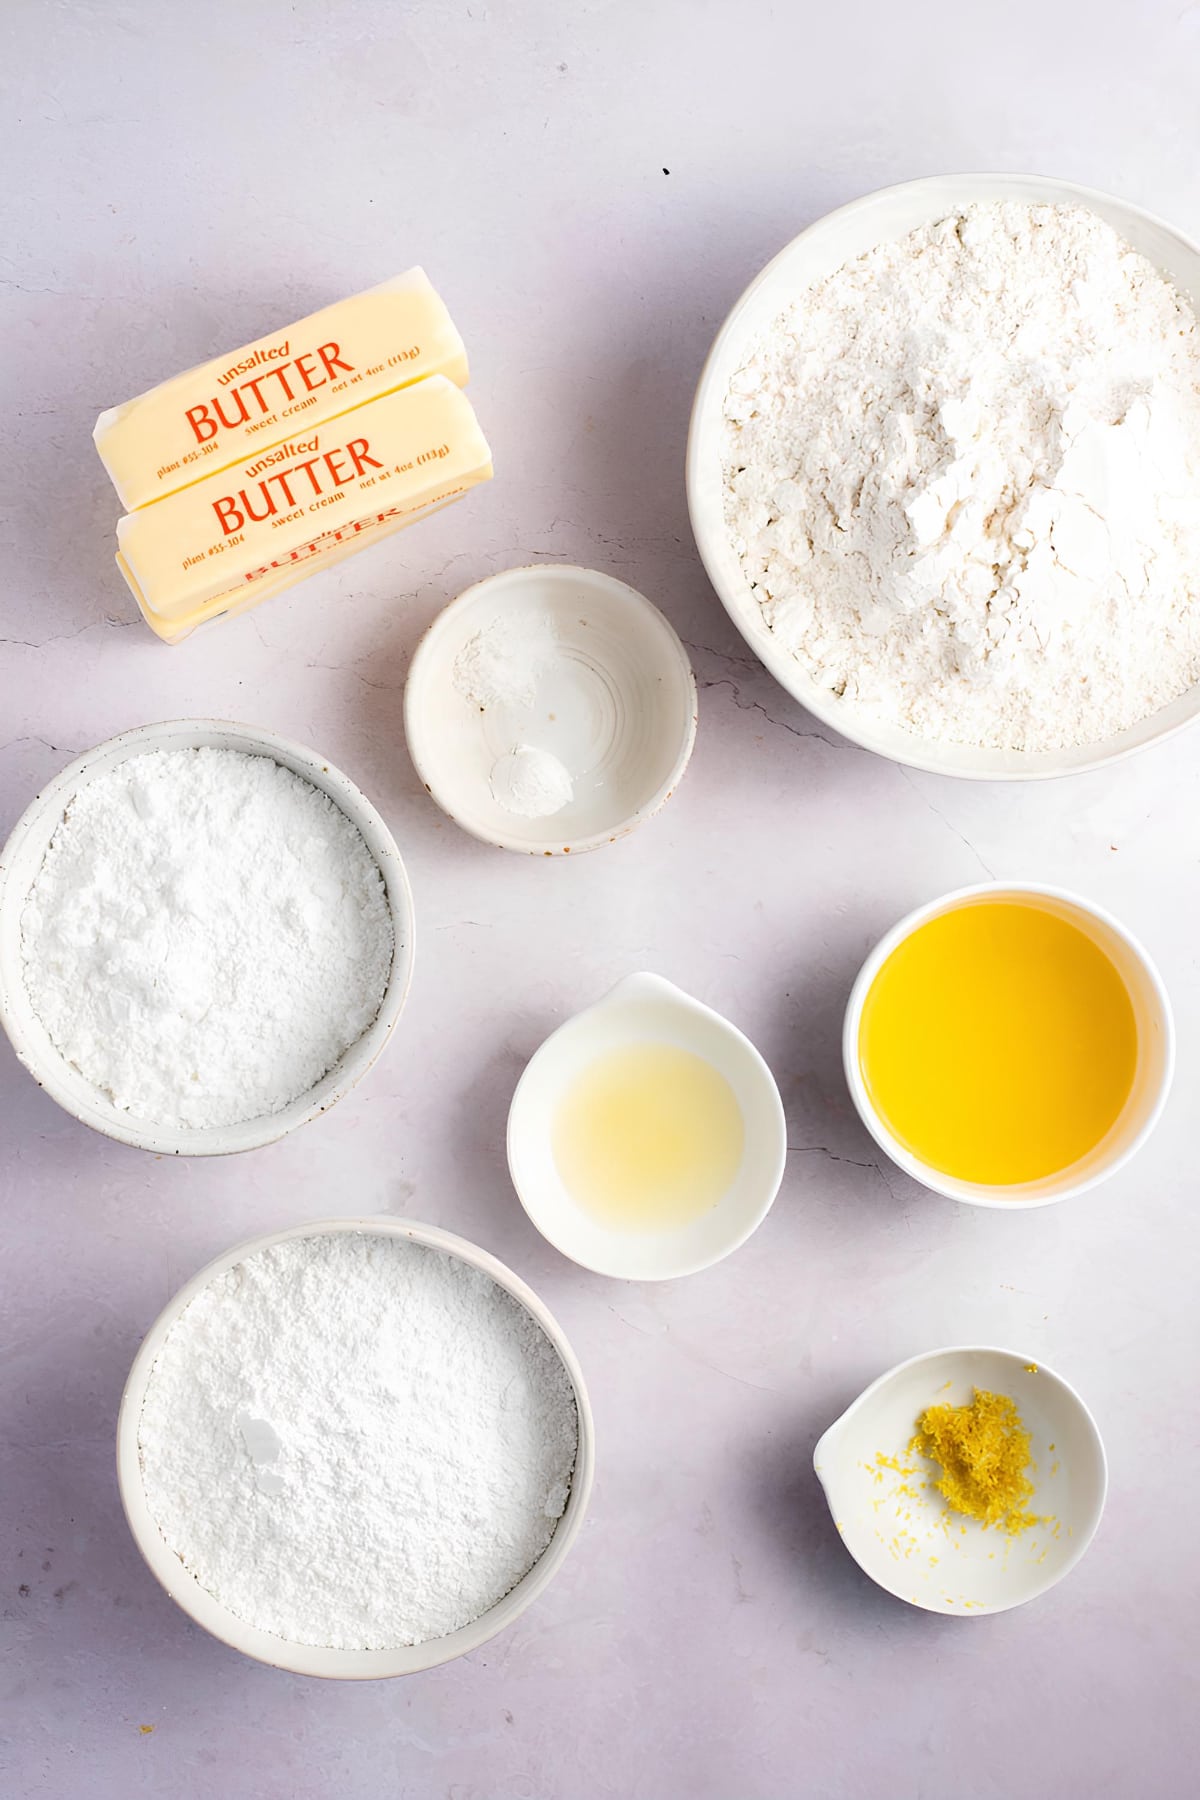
column 74, row 1585
column 485, row 1205
column 803, row 1044
column 791, row 1505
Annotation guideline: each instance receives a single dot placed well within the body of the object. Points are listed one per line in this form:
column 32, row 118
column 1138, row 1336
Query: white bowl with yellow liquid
column 646, row 1138
column 1120, row 1035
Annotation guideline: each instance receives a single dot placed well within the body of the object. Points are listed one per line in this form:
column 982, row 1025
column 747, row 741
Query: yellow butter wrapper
column 280, row 386
column 245, row 533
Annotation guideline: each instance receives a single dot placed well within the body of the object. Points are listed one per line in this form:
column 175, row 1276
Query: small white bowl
column 822, row 248
column 309, row 1659
column 22, row 857
column 613, row 698
column 900, row 1531
column 645, row 1008
column 1152, row 1078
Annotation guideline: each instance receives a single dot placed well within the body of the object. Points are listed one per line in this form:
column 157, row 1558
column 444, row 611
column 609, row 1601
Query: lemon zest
column 983, row 1450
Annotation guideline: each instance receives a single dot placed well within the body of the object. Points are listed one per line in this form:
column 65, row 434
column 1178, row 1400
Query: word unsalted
column 246, row 532
column 217, row 415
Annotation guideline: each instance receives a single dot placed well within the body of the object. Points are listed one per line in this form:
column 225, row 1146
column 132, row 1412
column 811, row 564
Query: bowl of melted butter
column 1009, row 1045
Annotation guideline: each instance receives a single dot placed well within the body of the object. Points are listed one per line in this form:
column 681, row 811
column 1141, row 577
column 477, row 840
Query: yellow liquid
column 998, row 1042
column 648, row 1138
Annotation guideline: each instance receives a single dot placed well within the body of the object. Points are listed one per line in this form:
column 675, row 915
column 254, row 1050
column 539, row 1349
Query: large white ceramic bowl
column 899, row 1529
column 309, row 1659
column 817, row 252
column 612, row 698
column 1152, row 1076
column 22, row 857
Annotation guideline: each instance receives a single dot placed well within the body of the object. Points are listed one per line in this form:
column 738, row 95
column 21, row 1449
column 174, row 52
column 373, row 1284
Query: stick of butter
column 216, row 414
column 244, row 533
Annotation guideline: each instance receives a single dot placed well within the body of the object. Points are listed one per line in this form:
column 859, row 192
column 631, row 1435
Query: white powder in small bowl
column 207, row 934
column 501, row 664
column 355, row 1441
column 532, row 783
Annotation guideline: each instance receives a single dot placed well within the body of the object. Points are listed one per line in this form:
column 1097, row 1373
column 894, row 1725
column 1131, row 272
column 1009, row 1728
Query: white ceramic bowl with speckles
column 612, row 700
column 315, row 1659
column 898, row 1528
column 22, row 857
column 836, row 239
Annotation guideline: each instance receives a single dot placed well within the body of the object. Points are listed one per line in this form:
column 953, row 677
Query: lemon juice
column 648, row 1137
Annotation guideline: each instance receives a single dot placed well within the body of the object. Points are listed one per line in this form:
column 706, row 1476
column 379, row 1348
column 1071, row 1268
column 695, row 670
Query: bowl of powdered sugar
column 206, row 937
column 355, row 1448
column 944, row 474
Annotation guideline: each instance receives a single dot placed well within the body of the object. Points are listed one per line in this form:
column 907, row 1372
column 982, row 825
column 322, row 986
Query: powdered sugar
column 963, row 477
column 207, row 934
column 357, row 1441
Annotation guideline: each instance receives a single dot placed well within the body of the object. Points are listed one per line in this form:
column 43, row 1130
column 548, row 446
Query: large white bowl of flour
column 355, row 1448
column 269, row 978
column 819, row 252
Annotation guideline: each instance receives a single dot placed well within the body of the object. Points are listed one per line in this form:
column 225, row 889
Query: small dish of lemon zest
column 983, row 1451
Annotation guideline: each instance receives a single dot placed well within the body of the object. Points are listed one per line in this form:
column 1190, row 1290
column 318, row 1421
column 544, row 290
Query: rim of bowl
column 1080, row 1546
column 427, row 768
column 538, row 1219
column 984, row 1193
column 313, row 1659
column 708, row 530
column 40, row 819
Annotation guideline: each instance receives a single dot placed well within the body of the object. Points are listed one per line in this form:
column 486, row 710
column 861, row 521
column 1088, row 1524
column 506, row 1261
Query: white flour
column 963, row 479
column 531, row 782
column 206, row 935
column 356, row 1441
column 502, row 664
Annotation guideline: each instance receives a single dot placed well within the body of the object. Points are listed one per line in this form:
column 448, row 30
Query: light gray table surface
column 590, row 186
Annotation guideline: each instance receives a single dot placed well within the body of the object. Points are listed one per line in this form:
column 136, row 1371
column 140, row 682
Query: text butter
column 217, row 414
column 244, row 533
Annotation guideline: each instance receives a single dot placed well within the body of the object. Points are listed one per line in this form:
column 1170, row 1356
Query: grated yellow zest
column 891, row 1462
column 983, row 1450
